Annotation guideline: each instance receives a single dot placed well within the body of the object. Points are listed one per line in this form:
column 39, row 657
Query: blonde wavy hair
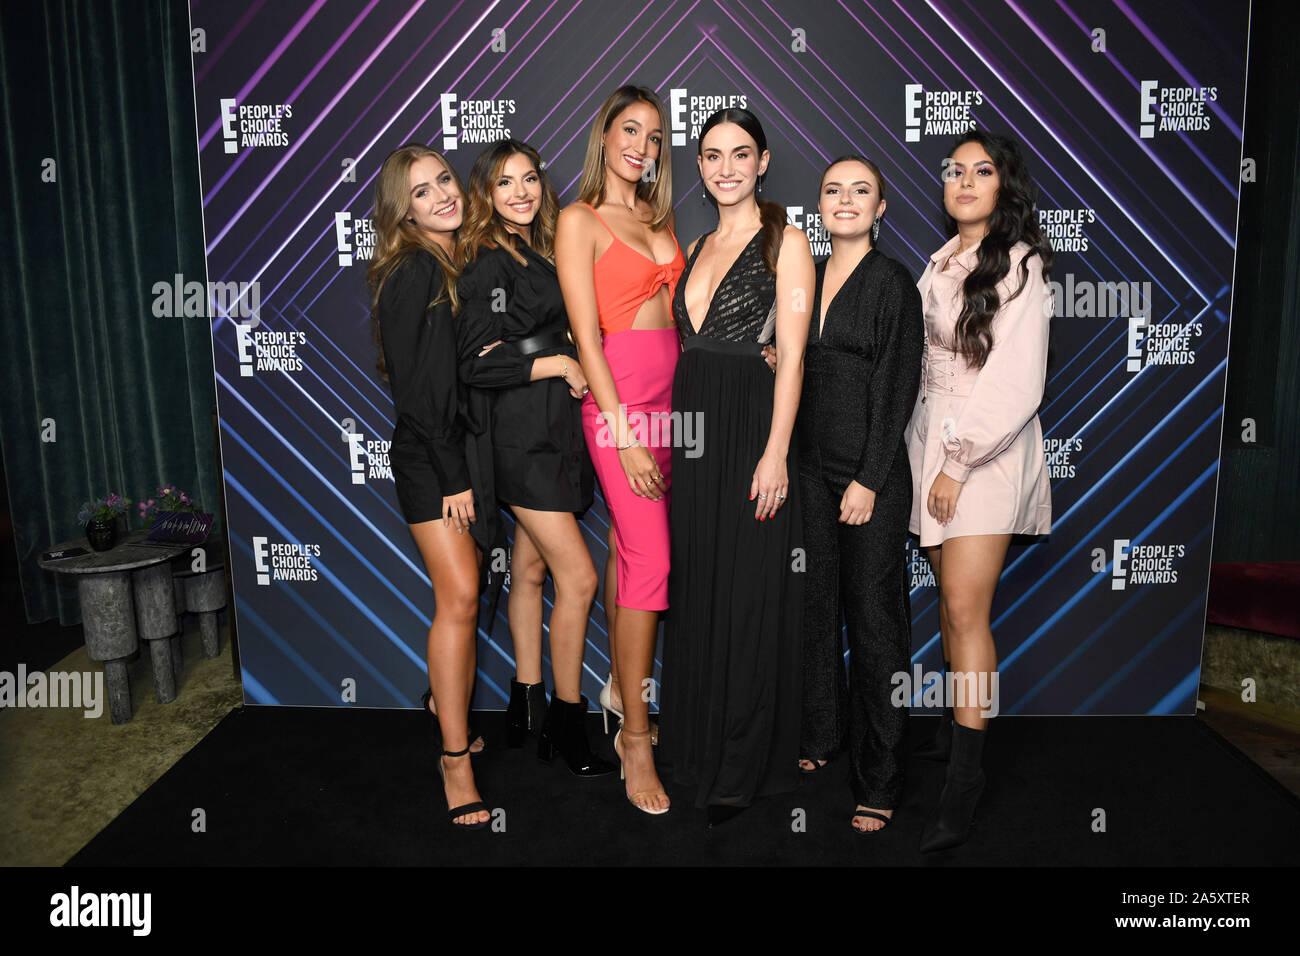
column 483, row 228
column 659, row 192
column 396, row 237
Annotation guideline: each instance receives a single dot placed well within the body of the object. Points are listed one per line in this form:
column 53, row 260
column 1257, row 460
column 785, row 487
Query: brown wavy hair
column 396, row 238
column 659, row 193
column 772, row 213
column 483, row 228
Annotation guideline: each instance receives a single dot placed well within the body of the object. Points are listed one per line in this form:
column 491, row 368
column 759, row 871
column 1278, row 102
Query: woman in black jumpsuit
column 513, row 343
column 861, row 373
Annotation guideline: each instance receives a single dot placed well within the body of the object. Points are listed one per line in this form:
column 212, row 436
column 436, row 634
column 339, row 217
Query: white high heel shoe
column 606, row 702
column 607, row 707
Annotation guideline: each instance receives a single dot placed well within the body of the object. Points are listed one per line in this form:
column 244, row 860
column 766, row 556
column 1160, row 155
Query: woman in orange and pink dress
column 618, row 264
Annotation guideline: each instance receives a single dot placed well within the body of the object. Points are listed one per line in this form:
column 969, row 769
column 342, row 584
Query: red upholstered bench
column 1256, row 596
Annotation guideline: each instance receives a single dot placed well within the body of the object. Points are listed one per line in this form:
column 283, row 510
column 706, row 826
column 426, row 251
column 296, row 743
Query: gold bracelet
column 564, row 368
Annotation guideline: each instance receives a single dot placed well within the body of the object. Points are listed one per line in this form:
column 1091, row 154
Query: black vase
column 102, row 534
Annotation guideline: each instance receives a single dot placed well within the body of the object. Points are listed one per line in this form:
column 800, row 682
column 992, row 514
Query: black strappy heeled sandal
column 873, row 815
column 454, row 812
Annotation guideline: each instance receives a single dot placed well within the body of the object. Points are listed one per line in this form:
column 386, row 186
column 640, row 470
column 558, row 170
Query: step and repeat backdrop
column 1130, row 116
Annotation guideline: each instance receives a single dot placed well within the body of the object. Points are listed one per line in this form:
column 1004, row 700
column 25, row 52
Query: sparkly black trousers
column 859, row 572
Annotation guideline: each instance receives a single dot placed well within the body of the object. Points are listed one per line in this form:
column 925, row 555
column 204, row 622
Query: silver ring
column 761, row 495
column 780, row 497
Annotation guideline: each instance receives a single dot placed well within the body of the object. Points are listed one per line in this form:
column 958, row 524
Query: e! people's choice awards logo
column 937, row 112
column 266, row 350
column 1140, row 564
column 250, row 125
column 284, row 560
column 355, row 238
column 1174, row 109
column 474, row 121
column 687, row 113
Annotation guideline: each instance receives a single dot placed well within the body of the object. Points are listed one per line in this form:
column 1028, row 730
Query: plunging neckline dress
column 729, row 710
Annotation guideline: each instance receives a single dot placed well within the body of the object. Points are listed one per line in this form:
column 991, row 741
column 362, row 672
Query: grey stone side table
column 202, row 592
column 126, row 595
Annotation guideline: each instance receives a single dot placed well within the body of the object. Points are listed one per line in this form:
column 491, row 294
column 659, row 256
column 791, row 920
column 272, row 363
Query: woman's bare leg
column 968, row 575
column 636, row 634
column 558, row 540
column 452, row 561
column 524, row 606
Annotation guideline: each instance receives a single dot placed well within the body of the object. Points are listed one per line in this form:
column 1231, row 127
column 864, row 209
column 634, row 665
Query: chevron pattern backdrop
column 1130, row 113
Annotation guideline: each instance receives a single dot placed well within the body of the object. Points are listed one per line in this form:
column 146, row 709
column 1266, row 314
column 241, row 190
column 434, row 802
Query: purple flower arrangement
column 169, row 498
column 108, row 508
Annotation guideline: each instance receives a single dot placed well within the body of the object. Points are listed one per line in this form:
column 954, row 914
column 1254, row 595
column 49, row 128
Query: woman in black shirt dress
column 861, row 373
column 513, row 341
column 441, row 487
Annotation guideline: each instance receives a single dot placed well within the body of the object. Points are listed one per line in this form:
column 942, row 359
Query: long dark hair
column 1013, row 220
column 773, row 214
column 483, row 228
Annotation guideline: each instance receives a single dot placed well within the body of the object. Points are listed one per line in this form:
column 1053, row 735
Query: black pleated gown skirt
column 730, row 701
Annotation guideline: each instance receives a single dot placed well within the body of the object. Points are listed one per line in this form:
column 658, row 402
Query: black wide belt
column 549, row 339
column 728, row 348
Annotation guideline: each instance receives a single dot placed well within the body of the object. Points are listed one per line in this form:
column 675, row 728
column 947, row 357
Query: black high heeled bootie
column 950, row 826
column 565, row 732
column 525, row 712
column 938, row 747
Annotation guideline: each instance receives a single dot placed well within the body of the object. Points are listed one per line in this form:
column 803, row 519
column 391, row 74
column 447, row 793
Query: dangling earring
column 760, row 185
column 704, row 193
column 875, row 231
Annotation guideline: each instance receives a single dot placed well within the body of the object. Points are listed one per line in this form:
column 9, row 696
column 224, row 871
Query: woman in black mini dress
column 513, row 341
column 441, row 486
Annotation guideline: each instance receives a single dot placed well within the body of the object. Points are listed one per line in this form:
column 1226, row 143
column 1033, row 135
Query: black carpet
column 313, row 787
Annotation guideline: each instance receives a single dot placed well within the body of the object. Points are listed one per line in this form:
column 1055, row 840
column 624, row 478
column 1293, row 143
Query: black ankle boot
column 565, row 732
column 962, row 787
column 525, row 711
column 938, row 747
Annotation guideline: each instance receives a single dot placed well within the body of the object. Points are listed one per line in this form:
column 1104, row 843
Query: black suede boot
column 525, row 712
column 950, row 825
column 565, row 732
column 938, row 747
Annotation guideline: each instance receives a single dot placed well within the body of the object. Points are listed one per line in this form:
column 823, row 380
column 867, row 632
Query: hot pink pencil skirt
column 642, row 362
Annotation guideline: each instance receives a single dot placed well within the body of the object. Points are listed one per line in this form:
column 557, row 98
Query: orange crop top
column 625, row 279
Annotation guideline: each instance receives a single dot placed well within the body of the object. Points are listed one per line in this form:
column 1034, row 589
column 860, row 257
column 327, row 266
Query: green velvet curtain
column 102, row 201
column 1259, row 481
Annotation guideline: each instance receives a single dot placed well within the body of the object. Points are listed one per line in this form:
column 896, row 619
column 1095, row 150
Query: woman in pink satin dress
column 975, row 443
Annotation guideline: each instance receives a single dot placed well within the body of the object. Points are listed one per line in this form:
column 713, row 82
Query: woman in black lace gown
column 730, row 703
